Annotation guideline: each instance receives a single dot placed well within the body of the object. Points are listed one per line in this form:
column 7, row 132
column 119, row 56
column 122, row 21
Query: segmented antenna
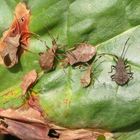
column 124, row 51
column 51, row 36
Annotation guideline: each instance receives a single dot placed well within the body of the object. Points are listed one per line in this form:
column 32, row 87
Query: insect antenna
column 37, row 37
column 125, row 49
column 97, row 66
column 51, row 36
column 53, row 41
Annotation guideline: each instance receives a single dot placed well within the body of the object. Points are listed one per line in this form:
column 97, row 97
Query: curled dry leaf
column 47, row 58
column 86, row 78
column 33, row 102
column 27, row 124
column 81, row 134
column 83, row 53
column 16, row 36
column 28, row 81
column 9, row 53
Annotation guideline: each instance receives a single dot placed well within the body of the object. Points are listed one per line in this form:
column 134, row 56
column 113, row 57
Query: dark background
column 8, row 137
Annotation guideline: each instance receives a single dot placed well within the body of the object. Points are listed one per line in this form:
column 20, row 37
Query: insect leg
column 29, row 34
column 131, row 77
column 95, row 78
column 24, row 47
column 130, row 74
column 115, row 58
column 125, row 61
column 112, row 68
column 113, row 77
column 128, row 67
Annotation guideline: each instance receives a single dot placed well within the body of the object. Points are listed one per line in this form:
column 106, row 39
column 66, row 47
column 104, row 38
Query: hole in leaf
column 53, row 134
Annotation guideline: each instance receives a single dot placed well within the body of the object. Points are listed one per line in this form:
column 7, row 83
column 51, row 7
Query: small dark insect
column 123, row 72
column 53, row 134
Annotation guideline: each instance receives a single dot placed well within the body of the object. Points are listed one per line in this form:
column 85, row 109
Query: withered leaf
column 83, row 53
column 47, row 58
column 20, row 24
column 9, row 52
column 81, row 134
column 28, row 81
column 26, row 124
column 86, row 78
column 23, row 17
column 33, row 102
column 15, row 36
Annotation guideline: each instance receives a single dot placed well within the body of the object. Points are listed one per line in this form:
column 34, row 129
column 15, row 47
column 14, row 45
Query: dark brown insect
column 123, row 72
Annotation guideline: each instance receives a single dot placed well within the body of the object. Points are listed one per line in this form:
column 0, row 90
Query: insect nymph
column 122, row 69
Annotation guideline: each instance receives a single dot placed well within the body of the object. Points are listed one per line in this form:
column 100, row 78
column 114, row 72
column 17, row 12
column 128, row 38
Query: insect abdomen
column 121, row 78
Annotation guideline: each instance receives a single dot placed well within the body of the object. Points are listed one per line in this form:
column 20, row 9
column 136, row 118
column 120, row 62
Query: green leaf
column 106, row 24
column 101, row 137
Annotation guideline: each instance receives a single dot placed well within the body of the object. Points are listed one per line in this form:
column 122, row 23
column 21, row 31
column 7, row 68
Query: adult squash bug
column 122, row 69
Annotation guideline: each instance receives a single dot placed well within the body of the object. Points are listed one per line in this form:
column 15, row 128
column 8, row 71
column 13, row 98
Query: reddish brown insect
column 16, row 37
column 90, row 73
column 86, row 78
column 47, row 58
column 81, row 54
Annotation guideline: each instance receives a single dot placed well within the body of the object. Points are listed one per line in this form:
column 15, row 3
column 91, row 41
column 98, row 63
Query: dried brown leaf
column 9, row 53
column 33, row 102
column 29, row 80
column 26, row 124
column 80, row 134
column 16, row 36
